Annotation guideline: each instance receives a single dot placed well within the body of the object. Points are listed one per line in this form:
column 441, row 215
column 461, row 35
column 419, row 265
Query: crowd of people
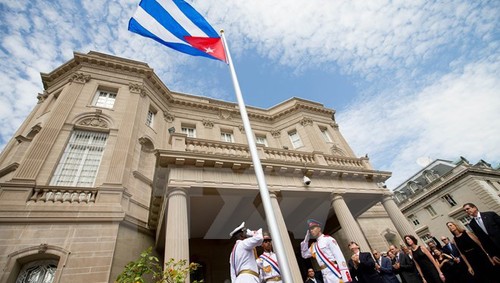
column 467, row 257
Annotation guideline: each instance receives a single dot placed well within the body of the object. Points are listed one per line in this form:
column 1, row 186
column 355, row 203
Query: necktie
column 481, row 224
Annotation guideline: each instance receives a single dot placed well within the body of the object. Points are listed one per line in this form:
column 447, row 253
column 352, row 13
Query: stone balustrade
column 274, row 154
column 63, row 195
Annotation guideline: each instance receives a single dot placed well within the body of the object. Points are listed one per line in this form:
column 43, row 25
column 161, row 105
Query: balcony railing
column 272, row 154
column 63, row 195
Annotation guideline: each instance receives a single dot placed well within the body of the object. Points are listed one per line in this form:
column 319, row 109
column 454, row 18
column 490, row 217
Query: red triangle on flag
column 210, row 45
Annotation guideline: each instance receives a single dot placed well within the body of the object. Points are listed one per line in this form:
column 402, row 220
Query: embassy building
column 111, row 162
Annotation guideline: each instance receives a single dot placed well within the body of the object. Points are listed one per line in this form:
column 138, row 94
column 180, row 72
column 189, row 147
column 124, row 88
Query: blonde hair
column 460, row 229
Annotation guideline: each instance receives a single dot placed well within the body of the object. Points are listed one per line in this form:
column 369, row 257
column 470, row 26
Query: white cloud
column 455, row 115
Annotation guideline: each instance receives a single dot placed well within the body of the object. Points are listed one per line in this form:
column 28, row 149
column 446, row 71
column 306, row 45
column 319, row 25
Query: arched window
column 40, row 271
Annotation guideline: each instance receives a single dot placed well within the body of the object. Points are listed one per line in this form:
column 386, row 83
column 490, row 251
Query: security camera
column 306, row 181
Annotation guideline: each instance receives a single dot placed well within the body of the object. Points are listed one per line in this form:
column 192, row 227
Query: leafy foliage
column 149, row 266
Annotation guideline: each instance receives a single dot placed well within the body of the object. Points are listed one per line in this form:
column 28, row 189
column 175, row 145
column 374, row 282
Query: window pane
column 81, row 159
column 326, row 135
column 150, row 118
column 295, row 139
column 261, row 140
column 190, row 132
column 105, row 99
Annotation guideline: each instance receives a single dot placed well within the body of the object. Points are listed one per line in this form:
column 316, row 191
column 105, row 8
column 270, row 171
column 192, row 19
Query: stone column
column 348, row 223
column 177, row 229
column 285, row 238
column 397, row 217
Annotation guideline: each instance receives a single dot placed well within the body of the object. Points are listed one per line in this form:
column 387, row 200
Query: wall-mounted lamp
column 171, row 130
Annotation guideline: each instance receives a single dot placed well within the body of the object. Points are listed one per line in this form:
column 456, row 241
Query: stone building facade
column 435, row 195
column 110, row 162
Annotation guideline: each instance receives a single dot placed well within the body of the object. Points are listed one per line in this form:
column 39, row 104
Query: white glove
column 308, row 235
column 250, row 233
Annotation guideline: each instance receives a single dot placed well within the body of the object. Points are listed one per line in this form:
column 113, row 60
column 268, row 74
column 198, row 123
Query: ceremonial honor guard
column 327, row 253
column 268, row 261
column 243, row 264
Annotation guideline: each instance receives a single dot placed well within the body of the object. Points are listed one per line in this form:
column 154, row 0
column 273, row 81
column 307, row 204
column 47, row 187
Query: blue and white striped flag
column 176, row 24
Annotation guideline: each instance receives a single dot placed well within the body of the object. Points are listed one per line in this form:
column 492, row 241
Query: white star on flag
column 209, row 50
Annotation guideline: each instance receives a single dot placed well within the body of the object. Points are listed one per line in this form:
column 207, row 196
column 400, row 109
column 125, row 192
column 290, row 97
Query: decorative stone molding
column 335, row 149
column 306, row 121
column 43, row 248
column 225, row 114
column 137, row 88
column 80, row 78
column 169, row 118
column 241, row 128
column 96, row 122
column 208, row 124
column 276, row 133
column 42, row 96
column 334, row 125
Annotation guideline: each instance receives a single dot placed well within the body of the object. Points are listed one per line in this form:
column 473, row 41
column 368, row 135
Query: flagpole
column 259, row 173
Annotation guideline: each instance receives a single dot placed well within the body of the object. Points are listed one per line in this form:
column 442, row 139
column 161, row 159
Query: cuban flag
column 176, row 24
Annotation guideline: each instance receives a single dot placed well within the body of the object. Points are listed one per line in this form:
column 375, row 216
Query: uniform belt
column 275, row 278
column 248, row 271
column 323, row 266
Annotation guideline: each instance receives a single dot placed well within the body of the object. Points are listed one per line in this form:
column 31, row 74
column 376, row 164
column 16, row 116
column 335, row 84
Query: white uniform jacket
column 243, row 258
column 331, row 250
column 268, row 263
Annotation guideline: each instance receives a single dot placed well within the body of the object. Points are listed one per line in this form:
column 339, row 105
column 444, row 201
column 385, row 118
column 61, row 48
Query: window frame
column 225, row 134
column 263, row 140
column 449, row 199
column 106, row 104
column 326, row 135
column 414, row 219
column 432, row 212
column 185, row 130
column 297, row 143
column 79, row 155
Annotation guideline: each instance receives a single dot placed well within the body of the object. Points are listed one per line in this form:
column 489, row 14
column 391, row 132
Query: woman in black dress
column 426, row 265
column 449, row 267
column 479, row 264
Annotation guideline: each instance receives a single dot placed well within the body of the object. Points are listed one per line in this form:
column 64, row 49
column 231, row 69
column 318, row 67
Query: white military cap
column 239, row 228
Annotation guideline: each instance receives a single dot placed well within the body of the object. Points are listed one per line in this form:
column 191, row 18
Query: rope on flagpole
column 259, row 173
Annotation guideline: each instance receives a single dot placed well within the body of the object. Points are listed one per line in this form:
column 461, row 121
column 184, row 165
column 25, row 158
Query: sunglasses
column 267, row 241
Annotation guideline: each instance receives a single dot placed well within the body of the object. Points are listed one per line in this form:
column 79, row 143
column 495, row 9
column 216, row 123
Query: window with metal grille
column 81, row 159
column 40, row 271
column 105, row 99
column 295, row 139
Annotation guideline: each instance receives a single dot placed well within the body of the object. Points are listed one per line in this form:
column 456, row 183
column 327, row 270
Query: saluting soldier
column 268, row 261
column 242, row 261
column 327, row 253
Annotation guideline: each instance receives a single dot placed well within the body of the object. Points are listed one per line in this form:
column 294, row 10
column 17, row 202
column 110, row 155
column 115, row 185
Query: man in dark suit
column 384, row 267
column 405, row 266
column 449, row 247
column 362, row 266
column 486, row 226
column 311, row 278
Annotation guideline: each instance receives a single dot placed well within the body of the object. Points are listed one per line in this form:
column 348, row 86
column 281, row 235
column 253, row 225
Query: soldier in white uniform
column 268, row 262
column 327, row 253
column 242, row 261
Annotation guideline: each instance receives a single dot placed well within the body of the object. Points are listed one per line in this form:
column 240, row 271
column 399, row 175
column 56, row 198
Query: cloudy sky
column 408, row 79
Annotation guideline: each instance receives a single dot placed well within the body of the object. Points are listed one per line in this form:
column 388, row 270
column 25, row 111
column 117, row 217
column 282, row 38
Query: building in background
column 436, row 194
column 110, row 162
